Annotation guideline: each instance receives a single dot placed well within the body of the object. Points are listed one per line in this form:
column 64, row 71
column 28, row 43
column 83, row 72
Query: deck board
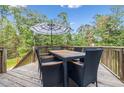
column 17, row 80
column 28, row 76
column 7, row 82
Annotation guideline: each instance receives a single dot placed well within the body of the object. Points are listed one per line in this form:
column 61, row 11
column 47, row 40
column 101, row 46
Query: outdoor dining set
column 59, row 65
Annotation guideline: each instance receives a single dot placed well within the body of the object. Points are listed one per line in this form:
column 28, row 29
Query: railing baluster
column 116, row 60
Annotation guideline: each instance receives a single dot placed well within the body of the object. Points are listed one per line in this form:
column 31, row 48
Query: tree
column 64, row 21
column 16, row 36
column 86, row 34
column 108, row 27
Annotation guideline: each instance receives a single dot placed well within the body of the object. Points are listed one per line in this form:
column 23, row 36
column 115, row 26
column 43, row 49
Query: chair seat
column 77, row 63
column 52, row 63
column 79, row 59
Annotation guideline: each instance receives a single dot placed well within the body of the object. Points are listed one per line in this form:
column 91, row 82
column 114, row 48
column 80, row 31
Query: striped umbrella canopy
column 50, row 29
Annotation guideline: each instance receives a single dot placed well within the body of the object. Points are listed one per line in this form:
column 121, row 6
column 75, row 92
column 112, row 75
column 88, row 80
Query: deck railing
column 31, row 55
column 28, row 58
column 112, row 58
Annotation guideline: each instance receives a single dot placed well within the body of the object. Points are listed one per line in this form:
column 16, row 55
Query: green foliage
column 110, row 27
column 108, row 30
column 11, row 62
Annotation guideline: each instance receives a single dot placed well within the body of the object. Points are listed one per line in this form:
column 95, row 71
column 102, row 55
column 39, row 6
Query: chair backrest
column 56, row 48
column 39, row 53
column 78, row 49
column 90, row 48
column 91, row 63
column 37, row 50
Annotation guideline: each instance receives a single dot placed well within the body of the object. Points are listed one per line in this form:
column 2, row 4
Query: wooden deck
column 27, row 76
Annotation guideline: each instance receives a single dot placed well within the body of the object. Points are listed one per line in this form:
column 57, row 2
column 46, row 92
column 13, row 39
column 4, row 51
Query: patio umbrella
column 50, row 29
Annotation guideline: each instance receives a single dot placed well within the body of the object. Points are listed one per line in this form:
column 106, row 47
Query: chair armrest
column 52, row 63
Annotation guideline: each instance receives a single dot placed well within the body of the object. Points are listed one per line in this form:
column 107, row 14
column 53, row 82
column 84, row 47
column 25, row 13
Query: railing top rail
column 49, row 46
column 118, row 47
column 100, row 46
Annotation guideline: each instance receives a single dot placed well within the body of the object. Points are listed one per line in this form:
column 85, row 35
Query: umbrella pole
column 51, row 38
column 51, row 32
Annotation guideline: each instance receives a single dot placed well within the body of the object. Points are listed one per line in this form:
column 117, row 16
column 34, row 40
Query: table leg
column 65, row 73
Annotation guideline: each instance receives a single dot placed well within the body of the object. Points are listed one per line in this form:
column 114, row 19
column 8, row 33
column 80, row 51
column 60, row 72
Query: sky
column 77, row 15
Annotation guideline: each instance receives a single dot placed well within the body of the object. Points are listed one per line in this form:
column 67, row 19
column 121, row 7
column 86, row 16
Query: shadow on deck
column 28, row 76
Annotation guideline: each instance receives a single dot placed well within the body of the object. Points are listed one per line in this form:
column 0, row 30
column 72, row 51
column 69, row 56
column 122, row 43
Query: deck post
column 3, row 57
column 34, row 55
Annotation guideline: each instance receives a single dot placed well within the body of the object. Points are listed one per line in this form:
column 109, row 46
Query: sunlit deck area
column 28, row 76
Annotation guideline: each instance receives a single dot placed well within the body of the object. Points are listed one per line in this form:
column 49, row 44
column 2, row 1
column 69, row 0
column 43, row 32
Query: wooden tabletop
column 67, row 53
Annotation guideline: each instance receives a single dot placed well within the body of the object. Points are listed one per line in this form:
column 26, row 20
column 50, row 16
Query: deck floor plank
column 107, row 78
column 16, row 80
column 8, row 83
column 1, row 85
column 28, row 76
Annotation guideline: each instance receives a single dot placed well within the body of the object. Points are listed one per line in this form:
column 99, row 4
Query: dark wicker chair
column 46, row 56
column 52, row 71
column 85, row 73
column 90, row 48
column 78, row 49
column 86, row 49
column 57, row 48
